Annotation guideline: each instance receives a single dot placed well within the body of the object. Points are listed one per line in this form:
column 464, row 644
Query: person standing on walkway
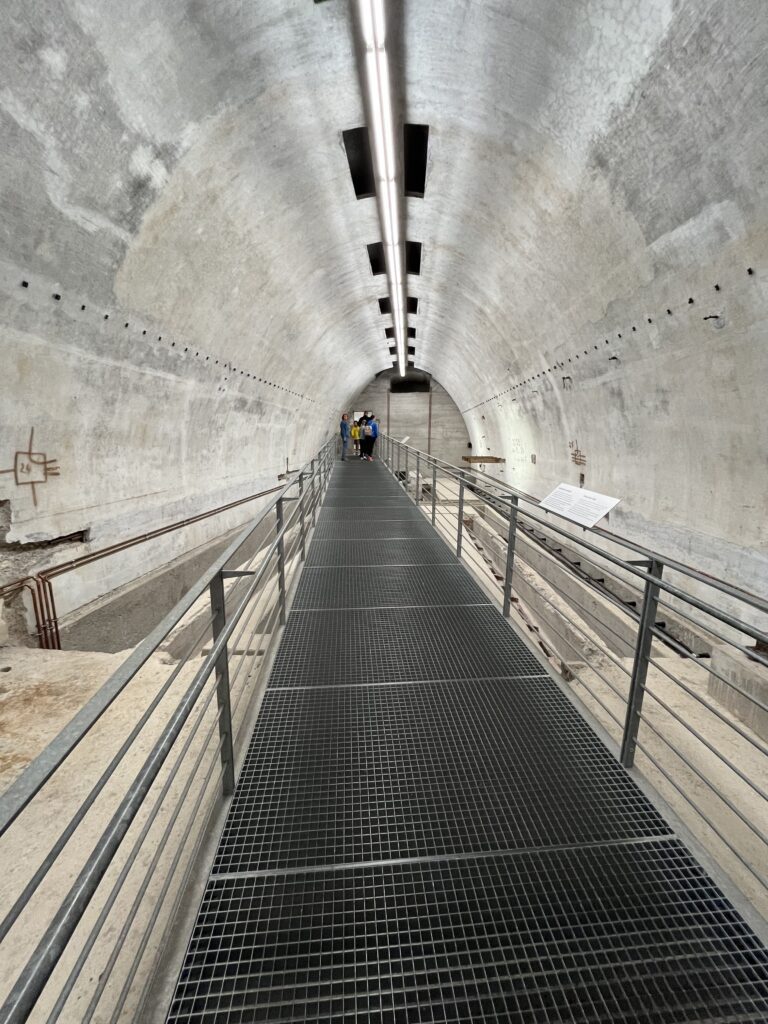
column 344, row 432
column 362, row 423
column 370, row 433
column 354, row 431
column 373, row 423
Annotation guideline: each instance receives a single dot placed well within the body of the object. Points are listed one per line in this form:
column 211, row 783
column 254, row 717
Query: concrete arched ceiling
column 591, row 164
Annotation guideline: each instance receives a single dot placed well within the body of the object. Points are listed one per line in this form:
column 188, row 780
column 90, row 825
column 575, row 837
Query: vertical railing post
column 434, row 491
column 312, row 490
column 398, row 464
column 511, row 536
column 406, row 470
column 461, row 517
column 280, row 559
column 219, row 610
column 418, row 478
column 640, row 664
column 302, row 525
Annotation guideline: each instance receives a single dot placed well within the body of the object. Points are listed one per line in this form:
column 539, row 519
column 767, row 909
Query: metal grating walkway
column 425, row 830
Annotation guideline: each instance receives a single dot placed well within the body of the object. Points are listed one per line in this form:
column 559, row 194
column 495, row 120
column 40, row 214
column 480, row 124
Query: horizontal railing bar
column 571, row 622
column 726, row 761
column 631, row 613
column 41, row 964
column 104, row 911
column 85, row 805
column 751, row 738
column 702, row 814
column 37, row 773
column 755, row 601
column 679, row 649
column 719, row 794
column 751, row 654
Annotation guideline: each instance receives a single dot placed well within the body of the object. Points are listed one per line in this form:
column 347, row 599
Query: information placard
column 579, row 505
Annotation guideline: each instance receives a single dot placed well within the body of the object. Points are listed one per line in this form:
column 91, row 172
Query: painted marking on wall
column 31, row 468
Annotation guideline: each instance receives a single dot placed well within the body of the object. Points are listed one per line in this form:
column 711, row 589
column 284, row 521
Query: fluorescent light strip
column 373, row 26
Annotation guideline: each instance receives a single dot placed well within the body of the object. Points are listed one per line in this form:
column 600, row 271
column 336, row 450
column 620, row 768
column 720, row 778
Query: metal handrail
column 509, row 491
column 310, row 482
column 584, row 640
column 41, row 587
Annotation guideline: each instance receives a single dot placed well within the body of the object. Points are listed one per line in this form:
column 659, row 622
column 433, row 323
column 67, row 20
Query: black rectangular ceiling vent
column 358, row 147
column 376, row 256
column 385, row 306
column 389, row 332
column 415, row 146
column 411, row 351
column 411, row 332
column 413, row 257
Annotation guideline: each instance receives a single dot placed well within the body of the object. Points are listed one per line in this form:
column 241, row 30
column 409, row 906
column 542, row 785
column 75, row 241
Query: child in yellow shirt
column 354, row 431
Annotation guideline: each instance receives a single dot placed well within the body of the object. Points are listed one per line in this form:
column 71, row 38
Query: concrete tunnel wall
column 179, row 169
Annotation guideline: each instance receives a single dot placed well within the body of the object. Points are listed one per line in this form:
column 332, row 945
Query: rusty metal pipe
column 41, row 588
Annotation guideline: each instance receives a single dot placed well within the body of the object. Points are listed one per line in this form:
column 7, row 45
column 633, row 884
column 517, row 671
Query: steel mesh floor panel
column 366, row 501
column 386, row 772
column 403, row 551
column 378, row 529
column 631, row 933
column 398, row 644
column 392, row 490
column 406, row 512
column 425, row 830
column 393, row 586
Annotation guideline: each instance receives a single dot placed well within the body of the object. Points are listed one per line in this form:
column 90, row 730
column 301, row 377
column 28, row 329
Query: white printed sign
column 579, row 505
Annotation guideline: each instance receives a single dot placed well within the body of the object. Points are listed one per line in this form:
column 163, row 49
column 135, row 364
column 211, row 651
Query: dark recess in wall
column 415, row 147
column 413, row 305
column 414, row 380
column 358, row 147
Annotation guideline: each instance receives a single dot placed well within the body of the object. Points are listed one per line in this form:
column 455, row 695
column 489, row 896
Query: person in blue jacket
column 370, row 433
column 344, row 432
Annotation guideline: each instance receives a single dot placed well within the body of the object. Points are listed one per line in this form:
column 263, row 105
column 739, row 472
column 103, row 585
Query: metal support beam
column 511, row 537
column 640, row 665
column 434, row 490
column 460, row 529
column 302, row 524
column 280, row 558
column 219, row 609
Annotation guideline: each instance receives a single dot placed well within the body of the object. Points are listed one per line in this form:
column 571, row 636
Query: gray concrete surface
column 430, row 420
column 179, row 169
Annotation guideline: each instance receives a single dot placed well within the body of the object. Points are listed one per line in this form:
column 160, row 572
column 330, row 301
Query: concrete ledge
column 748, row 676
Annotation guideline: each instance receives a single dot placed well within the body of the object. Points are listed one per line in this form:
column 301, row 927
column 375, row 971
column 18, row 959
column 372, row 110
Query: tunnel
column 383, row 492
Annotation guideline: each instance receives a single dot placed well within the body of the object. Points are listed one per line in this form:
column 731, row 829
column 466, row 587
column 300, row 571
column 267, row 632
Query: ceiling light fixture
column 377, row 82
